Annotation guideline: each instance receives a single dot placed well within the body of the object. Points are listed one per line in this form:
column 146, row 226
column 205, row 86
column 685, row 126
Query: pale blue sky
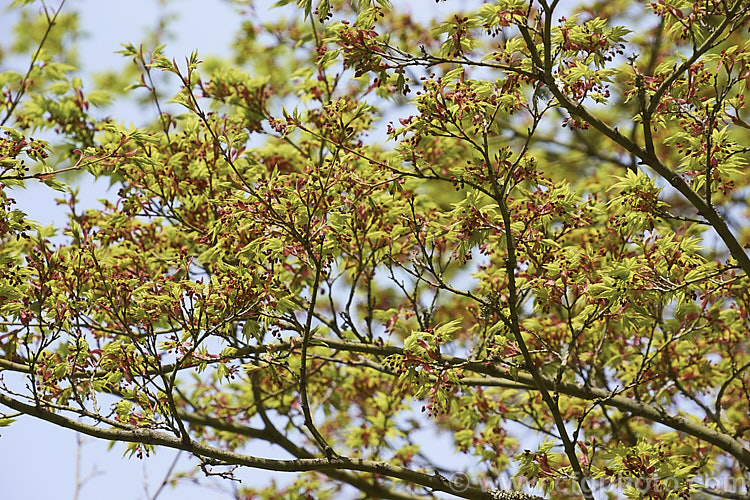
column 37, row 460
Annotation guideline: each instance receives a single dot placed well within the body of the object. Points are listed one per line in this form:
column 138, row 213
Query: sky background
column 37, row 460
column 40, row 461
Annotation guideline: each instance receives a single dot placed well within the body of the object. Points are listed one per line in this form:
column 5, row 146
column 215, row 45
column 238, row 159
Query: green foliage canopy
column 544, row 235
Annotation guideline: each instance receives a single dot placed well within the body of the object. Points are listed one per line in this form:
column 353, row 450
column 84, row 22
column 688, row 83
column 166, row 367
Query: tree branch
column 157, row 438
